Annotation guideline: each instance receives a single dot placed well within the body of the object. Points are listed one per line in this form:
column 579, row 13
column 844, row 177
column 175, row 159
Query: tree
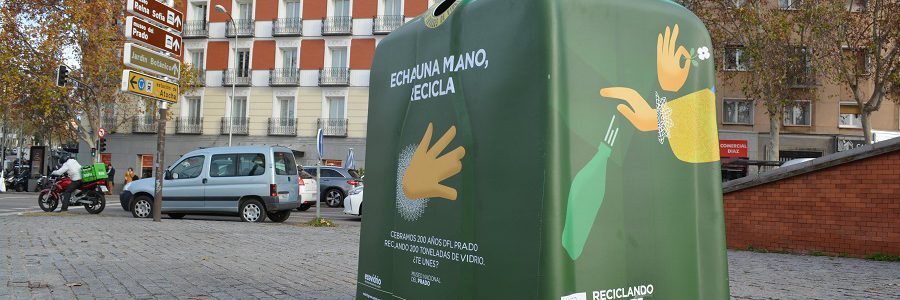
column 774, row 41
column 861, row 44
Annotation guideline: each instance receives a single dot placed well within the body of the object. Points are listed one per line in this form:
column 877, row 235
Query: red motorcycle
column 91, row 195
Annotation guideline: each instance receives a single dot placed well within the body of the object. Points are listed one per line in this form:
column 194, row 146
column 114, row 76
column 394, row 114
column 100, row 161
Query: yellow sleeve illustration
column 693, row 136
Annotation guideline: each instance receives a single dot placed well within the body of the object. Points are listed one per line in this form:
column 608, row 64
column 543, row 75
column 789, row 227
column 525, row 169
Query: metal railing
column 144, row 124
column 283, row 127
column 386, row 24
column 242, row 28
column 109, row 123
column 201, row 77
column 287, row 27
column 805, row 78
column 334, row 77
column 242, row 78
column 241, row 126
column 333, row 127
column 189, row 125
column 196, row 29
column 284, row 77
column 342, row 25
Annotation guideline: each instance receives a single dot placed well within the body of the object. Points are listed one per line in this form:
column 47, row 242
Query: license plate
column 103, row 188
column 283, row 196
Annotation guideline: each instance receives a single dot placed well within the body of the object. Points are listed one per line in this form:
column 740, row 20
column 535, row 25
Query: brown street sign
column 149, row 86
column 148, row 60
column 144, row 32
column 157, row 12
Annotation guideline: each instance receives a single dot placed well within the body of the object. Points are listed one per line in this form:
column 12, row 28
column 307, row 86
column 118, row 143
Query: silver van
column 253, row 182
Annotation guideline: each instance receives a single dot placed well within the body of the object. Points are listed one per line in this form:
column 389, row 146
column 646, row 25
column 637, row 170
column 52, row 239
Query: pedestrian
column 110, row 183
column 71, row 167
column 129, row 176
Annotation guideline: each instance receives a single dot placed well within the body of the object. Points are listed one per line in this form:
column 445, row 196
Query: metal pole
column 160, row 153
column 318, row 188
column 233, row 80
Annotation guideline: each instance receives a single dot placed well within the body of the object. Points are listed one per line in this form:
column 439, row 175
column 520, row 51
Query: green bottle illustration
column 586, row 195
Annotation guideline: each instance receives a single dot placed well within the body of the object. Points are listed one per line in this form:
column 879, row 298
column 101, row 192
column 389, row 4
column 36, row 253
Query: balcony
column 337, row 26
column 284, row 77
column 282, row 127
column 201, row 78
column 239, row 126
column 287, row 27
column 333, row 127
column 805, row 78
column 189, row 125
column 334, row 77
column 196, row 29
column 144, row 124
column 242, row 78
column 242, row 28
column 109, row 123
column 386, row 24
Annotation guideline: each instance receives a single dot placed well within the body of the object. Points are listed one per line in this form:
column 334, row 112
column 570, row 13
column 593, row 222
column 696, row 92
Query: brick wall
column 852, row 208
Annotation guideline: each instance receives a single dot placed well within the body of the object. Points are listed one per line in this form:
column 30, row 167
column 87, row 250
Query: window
column 239, row 107
column 284, row 164
column 850, row 116
column 191, row 106
column 393, row 8
column 286, row 108
column 225, row 165
column 734, row 59
column 243, row 63
column 330, row 173
column 146, row 165
column 292, row 10
column 787, row 4
column 341, row 8
column 861, row 60
column 199, row 10
column 336, row 107
column 738, row 3
column 737, row 112
column 188, row 168
column 338, row 57
column 289, row 59
column 857, row 5
column 245, row 10
column 798, row 113
column 197, row 59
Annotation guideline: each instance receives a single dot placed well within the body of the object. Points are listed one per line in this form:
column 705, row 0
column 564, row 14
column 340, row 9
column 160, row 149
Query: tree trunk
column 867, row 125
column 774, row 138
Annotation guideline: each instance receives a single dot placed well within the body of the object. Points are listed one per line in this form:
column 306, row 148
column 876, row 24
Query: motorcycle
column 90, row 195
column 18, row 183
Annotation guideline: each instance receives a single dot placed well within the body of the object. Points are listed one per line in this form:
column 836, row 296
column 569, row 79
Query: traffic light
column 102, row 145
column 93, row 152
column 62, row 76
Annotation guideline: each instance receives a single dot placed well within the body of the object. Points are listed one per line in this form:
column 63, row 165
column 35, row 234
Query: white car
column 308, row 193
column 353, row 202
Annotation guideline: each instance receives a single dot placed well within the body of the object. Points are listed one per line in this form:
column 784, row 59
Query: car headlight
column 355, row 191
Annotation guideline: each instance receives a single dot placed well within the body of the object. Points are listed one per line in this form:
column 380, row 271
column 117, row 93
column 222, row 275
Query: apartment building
column 285, row 69
column 826, row 122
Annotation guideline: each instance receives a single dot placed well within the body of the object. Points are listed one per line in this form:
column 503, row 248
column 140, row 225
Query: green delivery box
column 93, row 173
column 544, row 150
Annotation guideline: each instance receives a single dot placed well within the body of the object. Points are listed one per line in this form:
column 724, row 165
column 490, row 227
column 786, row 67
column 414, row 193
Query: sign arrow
column 132, row 81
column 176, row 45
column 178, row 22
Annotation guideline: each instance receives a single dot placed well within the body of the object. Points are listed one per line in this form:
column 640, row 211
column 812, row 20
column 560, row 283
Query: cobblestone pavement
column 82, row 256
column 784, row 276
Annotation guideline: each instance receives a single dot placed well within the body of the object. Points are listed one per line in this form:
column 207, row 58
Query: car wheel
column 176, row 216
column 141, row 207
column 334, row 198
column 279, row 216
column 252, row 211
column 304, row 207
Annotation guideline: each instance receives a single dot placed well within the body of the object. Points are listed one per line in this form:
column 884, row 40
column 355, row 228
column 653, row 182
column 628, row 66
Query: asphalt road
column 13, row 203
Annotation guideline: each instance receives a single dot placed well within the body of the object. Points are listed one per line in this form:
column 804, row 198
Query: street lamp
column 221, row 9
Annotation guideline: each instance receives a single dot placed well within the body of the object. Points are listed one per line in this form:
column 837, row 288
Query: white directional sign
column 148, row 60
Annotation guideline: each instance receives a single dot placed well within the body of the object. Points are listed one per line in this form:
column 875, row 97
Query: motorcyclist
column 73, row 168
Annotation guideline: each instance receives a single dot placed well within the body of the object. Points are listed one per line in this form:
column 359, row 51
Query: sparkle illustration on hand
column 670, row 70
column 428, row 168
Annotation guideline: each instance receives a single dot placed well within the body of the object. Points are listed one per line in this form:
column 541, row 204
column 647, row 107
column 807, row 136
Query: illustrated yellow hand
column 670, row 70
column 641, row 115
column 426, row 170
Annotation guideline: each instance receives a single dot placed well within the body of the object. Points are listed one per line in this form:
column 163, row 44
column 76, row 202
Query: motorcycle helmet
column 63, row 157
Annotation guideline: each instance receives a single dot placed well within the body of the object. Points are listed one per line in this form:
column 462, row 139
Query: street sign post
column 320, row 144
column 144, row 32
column 149, row 61
column 146, row 85
column 157, row 12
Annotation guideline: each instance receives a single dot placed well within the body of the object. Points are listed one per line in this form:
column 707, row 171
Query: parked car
column 253, row 182
column 336, row 182
column 353, row 203
column 308, row 193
